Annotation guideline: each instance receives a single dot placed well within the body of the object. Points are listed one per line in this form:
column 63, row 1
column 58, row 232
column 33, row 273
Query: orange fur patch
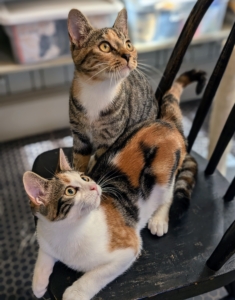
column 121, row 235
column 131, row 160
column 63, row 177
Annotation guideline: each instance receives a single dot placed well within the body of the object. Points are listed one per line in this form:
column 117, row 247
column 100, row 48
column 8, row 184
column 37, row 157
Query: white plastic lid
column 22, row 12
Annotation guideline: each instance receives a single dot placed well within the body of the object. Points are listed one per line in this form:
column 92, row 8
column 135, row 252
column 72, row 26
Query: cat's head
column 101, row 54
column 69, row 194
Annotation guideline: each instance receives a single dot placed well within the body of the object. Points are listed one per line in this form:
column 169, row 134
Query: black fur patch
column 59, row 205
column 147, row 179
column 176, row 164
column 179, row 207
column 77, row 105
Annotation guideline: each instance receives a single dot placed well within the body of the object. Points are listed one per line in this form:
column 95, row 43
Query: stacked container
column 157, row 20
column 38, row 29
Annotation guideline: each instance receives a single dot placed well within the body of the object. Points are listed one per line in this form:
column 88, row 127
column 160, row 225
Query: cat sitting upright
column 109, row 95
column 99, row 232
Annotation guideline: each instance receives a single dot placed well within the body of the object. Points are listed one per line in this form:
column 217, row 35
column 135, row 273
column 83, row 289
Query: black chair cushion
column 173, row 266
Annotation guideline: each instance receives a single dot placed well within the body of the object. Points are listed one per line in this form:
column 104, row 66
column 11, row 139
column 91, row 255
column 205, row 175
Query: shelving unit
column 8, row 66
column 34, row 97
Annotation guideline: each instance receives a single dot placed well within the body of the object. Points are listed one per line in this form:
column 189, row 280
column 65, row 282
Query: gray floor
column 18, row 245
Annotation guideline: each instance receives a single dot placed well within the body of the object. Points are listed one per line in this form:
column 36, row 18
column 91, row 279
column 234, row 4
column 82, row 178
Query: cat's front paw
column 72, row 293
column 158, row 226
column 39, row 289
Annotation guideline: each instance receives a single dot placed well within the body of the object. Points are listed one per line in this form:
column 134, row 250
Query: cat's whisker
column 108, row 180
column 119, row 75
column 115, row 193
column 105, row 180
column 97, row 73
column 115, row 76
column 52, row 173
column 103, row 177
column 112, row 191
column 111, row 188
column 145, row 75
column 140, row 73
column 103, row 195
column 111, row 76
column 152, row 69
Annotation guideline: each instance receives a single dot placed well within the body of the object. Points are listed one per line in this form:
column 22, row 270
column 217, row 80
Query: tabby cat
column 99, row 232
column 109, row 95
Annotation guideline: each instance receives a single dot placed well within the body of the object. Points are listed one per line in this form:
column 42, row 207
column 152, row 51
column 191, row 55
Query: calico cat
column 137, row 176
column 109, row 95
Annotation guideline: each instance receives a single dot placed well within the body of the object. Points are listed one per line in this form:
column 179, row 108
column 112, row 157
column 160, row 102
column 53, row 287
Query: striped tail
column 171, row 112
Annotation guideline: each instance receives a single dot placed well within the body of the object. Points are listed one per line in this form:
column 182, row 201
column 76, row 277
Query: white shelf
column 7, row 64
column 170, row 43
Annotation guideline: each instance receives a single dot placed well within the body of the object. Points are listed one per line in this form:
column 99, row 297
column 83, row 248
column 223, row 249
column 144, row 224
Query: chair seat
column 173, row 266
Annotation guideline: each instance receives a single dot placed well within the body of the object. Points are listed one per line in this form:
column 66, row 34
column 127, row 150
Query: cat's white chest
column 81, row 248
column 96, row 96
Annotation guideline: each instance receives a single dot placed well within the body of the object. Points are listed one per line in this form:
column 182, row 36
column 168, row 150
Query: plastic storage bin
column 38, row 29
column 213, row 19
column 156, row 20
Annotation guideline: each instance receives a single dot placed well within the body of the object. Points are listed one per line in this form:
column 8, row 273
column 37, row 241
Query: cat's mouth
column 125, row 70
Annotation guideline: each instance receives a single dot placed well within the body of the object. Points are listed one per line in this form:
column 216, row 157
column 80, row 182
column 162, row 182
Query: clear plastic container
column 155, row 20
column 38, row 29
column 142, row 20
column 213, row 19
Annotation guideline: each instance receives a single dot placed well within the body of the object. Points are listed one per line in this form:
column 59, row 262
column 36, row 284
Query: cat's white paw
column 72, row 293
column 39, row 289
column 158, row 226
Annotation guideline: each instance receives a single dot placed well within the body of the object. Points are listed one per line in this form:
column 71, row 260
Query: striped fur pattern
column 103, row 103
column 93, row 225
column 186, row 178
column 109, row 95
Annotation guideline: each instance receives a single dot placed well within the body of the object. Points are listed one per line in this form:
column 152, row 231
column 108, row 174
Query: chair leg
column 224, row 250
column 228, row 298
column 181, row 47
column 230, row 192
column 230, row 288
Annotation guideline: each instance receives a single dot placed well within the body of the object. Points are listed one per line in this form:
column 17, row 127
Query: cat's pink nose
column 94, row 187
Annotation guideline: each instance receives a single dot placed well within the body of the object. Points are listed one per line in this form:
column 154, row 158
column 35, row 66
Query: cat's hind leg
column 93, row 281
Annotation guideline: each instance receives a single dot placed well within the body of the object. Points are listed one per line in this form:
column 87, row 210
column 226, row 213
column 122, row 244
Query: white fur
column 147, row 207
column 82, row 245
column 81, row 241
column 96, row 96
column 158, row 223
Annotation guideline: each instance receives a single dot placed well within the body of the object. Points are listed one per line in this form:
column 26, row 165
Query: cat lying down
column 95, row 228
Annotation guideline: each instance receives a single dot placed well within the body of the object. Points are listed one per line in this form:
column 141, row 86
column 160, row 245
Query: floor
column 18, row 247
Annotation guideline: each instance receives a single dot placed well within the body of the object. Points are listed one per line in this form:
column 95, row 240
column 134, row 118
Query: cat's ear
column 121, row 22
column 36, row 187
column 63, row 164
column 78, row 27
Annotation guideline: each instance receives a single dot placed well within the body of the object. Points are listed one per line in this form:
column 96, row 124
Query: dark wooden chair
column 181, row 264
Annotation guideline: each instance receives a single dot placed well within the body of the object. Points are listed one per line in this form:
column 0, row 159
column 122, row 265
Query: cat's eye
column 85, row 178
column 70, row 191
column 129, row 46
column 105, row 47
